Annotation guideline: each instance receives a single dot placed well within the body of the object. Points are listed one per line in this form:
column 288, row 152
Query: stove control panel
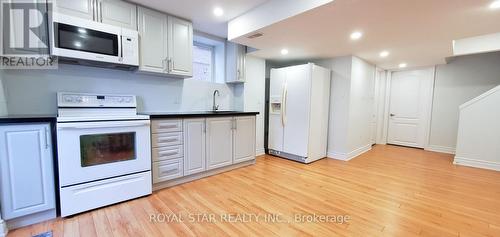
column 87, row 100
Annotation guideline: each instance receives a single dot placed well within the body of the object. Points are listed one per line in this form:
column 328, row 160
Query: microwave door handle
column 99, row 125
column 120, row 48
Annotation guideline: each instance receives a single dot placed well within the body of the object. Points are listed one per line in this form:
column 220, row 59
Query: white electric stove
column 104, row 151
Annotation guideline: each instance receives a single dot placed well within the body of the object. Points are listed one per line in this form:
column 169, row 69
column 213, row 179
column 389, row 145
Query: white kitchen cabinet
column 152, row 40
column 26, row 170
column 166, row 44
column 77, row 8
column 167, row 170
column 244, row 139
column 235, row 63
column 180, row 47
column 219, row 142
column 117, row 13
column 194, row 146
column 112, row 12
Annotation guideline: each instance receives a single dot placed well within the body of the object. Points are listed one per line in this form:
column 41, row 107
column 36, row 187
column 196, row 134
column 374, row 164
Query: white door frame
column 380, row 88
column 388, row 105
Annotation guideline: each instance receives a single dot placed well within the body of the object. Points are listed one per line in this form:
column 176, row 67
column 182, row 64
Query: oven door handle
column 101, row 125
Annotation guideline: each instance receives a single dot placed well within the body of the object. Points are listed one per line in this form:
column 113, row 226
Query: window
column 203, row 62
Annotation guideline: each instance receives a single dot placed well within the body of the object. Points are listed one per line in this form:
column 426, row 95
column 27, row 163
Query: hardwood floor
column 389, row 191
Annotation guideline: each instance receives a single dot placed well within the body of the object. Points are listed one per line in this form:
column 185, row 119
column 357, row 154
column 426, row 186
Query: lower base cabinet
column 219, row 142
column 209, row 144
column 26, row 170
column 167, row 170
column 194, row 146
column 244, row 139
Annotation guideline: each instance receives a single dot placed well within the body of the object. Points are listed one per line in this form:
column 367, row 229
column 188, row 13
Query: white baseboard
column 31, row 219
column 442, row 149
column 477, row 163
column 349, row 155
column 260, row 151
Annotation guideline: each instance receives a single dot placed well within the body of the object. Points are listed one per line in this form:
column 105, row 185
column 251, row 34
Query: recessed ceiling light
column 495, row 5
column 284, row 51
column 218, row 11
column 384, row 54
column 403, row 65
column 356, row 35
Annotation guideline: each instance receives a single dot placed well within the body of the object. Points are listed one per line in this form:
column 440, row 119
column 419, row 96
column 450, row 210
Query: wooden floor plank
column 388, row 191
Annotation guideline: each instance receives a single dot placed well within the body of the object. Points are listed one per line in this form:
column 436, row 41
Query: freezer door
column 278, row 78
column 297, row 109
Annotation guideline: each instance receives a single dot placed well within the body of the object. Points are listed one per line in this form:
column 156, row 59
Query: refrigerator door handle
column 282, row 105
column 285, row 100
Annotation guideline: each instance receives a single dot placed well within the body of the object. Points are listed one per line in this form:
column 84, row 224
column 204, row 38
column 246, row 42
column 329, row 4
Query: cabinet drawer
column 166, row 139
column 166, row 125
column 168, row 153
column 167, row 170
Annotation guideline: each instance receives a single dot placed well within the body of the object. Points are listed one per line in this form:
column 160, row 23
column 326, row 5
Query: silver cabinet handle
column 163, row 62
column 100, row 11
column 170, row 65
column 205, row 126
column 46, row 138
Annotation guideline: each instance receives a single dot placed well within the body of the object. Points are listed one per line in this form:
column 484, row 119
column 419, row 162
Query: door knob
column 392, row 115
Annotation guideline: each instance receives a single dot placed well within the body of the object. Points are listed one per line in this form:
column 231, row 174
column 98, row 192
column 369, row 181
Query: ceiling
column 201, row 12
column 417, row 32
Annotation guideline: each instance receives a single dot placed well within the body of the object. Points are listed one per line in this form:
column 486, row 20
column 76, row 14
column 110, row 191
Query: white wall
column 339, row 103
column 3, row 103
column 479, row 132
column 34, row 91
column 456, row 83
column 254, row 96
column 361, row 105
column 351, row 106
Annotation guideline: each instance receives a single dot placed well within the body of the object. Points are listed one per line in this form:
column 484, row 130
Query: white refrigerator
column 298, row 112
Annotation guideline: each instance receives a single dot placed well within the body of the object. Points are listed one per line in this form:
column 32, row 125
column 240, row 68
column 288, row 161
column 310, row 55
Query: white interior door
column 409, row 110
column 297, row 109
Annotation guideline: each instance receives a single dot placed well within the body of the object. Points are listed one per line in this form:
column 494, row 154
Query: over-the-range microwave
column 89, row 42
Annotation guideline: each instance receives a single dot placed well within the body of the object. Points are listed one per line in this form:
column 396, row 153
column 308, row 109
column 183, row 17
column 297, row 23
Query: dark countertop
column 190, row 114
column 28, row 118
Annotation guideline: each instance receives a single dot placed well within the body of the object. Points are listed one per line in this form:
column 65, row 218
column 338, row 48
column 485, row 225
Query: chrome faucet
column 214, row 106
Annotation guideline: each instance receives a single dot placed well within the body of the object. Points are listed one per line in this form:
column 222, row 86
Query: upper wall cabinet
column 153, row 27
column 235, row 63
column 118, row 13
column 113, row 12
column 77, row 8
column 180, row 46
column 165, row 44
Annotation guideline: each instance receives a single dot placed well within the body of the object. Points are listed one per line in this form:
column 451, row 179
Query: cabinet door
column 180, row 47
column 118, row 13
column 219, row 142
column 235, row 62
column 194, row 146
column 241, row 62
column 244, row 139
column 153, row 41
column 26, row 170
column 77, row 8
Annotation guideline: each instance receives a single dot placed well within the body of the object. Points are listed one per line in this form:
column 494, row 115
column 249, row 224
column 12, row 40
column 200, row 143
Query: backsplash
column 34, row 91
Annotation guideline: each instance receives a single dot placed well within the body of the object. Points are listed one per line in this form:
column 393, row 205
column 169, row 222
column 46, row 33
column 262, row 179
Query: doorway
column 410, row 105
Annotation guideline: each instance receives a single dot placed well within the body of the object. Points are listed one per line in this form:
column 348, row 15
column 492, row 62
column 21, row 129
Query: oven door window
column 86, row 40
column 98, row 149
